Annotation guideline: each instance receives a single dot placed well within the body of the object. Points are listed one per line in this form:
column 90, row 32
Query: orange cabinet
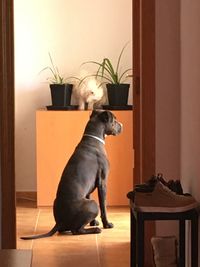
column 58, row 133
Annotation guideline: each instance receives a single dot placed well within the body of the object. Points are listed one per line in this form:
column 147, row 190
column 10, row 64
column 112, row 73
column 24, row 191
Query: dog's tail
column 50, row 233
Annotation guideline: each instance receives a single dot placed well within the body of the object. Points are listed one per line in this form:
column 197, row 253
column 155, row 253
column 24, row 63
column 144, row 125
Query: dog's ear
column 94, row 113
column 105, row 116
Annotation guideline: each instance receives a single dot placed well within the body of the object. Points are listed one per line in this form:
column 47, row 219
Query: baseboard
column 29, row 196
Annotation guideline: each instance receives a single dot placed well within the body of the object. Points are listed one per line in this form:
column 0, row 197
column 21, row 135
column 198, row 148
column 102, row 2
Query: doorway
column 70, row 43
column 145, row 99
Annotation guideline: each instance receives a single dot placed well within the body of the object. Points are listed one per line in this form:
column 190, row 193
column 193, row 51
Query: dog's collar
column 95, row 137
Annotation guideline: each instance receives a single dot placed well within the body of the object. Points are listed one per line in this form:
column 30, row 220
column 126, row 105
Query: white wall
column 190, row 97
column 73, row 32
column 178, row 95
column 167, row 97
column 168, row 88
column 178, row 91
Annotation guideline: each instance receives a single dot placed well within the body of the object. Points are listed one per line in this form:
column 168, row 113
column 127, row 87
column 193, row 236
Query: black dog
column 86, row 170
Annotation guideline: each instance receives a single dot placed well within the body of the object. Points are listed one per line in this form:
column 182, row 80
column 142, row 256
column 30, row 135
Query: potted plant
column 60, row 90
column 114, row 78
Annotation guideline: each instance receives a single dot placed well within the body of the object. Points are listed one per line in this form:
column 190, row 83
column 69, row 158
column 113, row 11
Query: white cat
column 89, row 93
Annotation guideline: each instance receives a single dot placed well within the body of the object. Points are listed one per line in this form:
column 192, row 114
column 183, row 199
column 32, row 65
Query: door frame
column 143, row 99
column 7, row 161
column 148, row 81
column 144, row 115
column 144, row 118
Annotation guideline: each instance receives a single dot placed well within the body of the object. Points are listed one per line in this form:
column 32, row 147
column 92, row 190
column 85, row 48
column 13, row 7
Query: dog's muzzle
column 118, row 128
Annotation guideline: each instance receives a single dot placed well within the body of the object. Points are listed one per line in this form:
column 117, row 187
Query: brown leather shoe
column 162, row 199
column 149, row 185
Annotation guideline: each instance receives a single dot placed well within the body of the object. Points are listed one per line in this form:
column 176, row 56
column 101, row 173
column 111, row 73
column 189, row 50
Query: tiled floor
column 108, row 249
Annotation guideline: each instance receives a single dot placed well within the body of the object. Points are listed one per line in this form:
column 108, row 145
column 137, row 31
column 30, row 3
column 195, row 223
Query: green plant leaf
column 53, row 74
column 113, row 75
column 101, row 70
column 122, row 75
column 73, row 78
column 93, row 75
column 119, row 58
column 107, row 71
column 91, row 61
column 54, row 68
column 56, row 78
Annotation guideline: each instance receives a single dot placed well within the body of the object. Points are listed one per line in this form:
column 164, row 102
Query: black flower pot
column 118, row 94
column 61, row 94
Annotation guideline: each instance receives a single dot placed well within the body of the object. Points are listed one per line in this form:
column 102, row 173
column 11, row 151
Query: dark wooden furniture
column 137, row 233
column 7, row 116
column 15, row 258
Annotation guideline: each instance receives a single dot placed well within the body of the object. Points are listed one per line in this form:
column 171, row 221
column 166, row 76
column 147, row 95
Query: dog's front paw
column 94, row 223
column 108, row 225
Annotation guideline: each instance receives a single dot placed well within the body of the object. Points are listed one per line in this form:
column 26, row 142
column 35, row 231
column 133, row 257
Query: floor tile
column 107, row 249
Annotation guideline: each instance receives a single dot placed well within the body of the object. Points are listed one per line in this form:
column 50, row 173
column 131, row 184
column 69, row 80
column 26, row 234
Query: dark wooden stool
column 15, row 258
column 138, row 219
